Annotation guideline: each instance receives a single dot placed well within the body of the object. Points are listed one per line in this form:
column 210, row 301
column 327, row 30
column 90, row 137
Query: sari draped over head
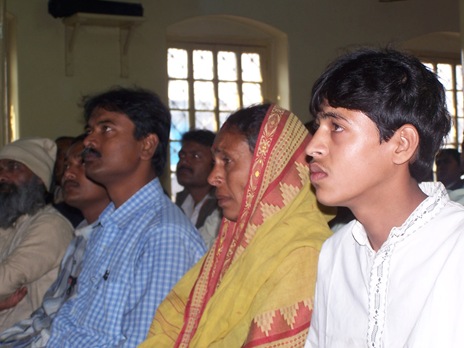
column 255, row 286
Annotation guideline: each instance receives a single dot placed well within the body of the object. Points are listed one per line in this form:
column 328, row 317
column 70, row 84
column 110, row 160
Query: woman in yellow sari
column 255, row 286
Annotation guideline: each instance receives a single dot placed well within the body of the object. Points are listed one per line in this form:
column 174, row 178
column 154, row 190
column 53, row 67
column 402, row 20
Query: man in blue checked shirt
column 144, row 243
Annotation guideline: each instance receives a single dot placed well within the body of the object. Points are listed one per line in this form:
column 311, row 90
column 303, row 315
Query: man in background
column 74, row 215
column 33, row 235
column 197, row 200
column 449, row 171
column 63, row 143
column 457, row 193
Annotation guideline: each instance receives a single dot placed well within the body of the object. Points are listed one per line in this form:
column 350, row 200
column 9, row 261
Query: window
column 450, row 75
column 206, row 84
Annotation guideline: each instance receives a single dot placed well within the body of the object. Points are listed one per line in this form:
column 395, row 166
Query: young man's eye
column 336, row 127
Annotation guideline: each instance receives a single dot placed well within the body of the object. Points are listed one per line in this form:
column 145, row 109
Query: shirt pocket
column 106, row 297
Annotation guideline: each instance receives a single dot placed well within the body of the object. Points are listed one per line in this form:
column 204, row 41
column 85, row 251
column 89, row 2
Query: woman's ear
column 149, row 146
column 406, row 140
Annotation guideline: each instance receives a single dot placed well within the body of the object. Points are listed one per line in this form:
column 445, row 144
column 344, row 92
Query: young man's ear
column 149, row 146
column 406, row 140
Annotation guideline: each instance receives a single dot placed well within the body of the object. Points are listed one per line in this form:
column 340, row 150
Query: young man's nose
column 315, row 147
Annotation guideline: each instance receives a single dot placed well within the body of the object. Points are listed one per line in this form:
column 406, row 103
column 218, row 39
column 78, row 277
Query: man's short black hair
column 453, row 153
column 201, row 136
column 393, row 89
column 79, row 139
column 144, row 108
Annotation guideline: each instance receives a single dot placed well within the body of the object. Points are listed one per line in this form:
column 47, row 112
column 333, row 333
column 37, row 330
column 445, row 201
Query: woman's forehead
column 228, row 139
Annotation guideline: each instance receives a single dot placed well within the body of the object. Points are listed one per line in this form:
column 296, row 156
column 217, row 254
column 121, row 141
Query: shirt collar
column 144, row 197
column 359, row 234
column 437, row 198
column 84, row 229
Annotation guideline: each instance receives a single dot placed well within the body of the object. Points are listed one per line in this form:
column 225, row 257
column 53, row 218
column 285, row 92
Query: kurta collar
column 437, row 198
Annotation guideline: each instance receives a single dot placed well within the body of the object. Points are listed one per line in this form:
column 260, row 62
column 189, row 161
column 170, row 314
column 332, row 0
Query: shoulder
column 450, row 210
column 167, row 214
column 159, row 220
column 340, row 238
column 49, row 216
column 46, row 226
column 449, row 219
column 340, row 243
column 181, row 196
column 169, row 222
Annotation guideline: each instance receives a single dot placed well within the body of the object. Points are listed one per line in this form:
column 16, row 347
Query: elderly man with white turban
column 33, row 235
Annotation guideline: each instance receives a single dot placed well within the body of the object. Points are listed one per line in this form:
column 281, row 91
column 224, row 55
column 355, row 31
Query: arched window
column 215, row 67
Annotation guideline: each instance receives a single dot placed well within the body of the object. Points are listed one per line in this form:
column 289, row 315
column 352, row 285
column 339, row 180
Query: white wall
column 317, row 30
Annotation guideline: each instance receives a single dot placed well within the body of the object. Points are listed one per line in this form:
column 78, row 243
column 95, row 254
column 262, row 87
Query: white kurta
column 408, row 294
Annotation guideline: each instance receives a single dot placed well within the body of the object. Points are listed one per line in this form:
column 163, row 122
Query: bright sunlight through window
column 205, row 86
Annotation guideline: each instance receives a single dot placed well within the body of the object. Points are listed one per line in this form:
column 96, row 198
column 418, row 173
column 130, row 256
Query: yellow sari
column 255, row 286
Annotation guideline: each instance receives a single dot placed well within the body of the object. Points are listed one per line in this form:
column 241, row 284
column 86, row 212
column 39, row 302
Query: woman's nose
column 214, row 178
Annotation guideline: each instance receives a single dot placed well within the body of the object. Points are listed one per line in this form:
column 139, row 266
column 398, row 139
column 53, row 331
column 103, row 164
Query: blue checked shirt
column 132, row 261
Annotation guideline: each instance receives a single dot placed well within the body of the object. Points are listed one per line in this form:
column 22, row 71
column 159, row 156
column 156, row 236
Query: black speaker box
column 66, row 8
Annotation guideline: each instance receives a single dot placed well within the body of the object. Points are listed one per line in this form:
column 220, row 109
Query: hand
column 13, row 299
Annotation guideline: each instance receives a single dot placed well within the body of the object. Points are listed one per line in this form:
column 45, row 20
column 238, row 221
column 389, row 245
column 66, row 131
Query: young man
column 90, row 198
column 143, row 243
column 62, row 145
column 457, row 194
column 33, row 235
column 392, row 277
column 197, row 200
column 72, row 214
